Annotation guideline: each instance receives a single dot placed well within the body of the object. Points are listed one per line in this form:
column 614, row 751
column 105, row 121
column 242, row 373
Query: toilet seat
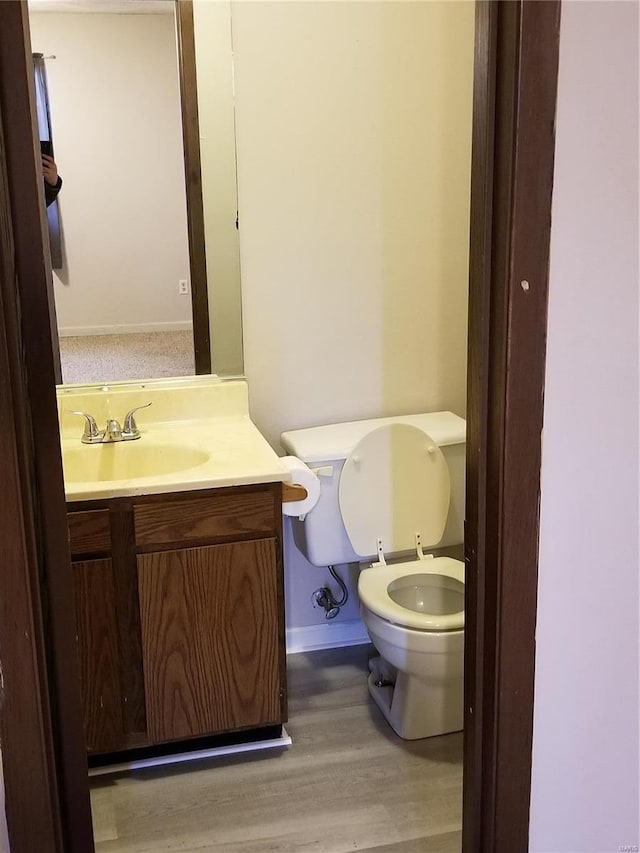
column 394, row 492
column 394, row 486
column 374, row 594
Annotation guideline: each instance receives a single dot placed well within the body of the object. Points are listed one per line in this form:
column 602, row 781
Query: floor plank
column 347, row 783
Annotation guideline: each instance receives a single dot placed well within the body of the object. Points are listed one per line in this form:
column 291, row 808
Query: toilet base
column 413, row 708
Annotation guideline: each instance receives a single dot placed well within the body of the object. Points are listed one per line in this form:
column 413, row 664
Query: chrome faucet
column 113, row 431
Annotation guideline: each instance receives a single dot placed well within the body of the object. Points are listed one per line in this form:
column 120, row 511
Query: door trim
column 515, row 80
column 37, row 628
column 25, row 714
column 193, row 185
column 513, row 145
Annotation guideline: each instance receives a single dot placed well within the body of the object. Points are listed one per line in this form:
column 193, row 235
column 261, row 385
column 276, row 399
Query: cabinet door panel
column 97, row 636
column 210, row 638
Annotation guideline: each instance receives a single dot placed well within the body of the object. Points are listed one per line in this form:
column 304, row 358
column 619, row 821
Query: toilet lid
column 394, row 484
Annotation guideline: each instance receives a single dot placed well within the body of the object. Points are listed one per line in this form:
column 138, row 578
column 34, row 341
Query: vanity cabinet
column 98, row 653
column 180, row 615
column 209, row 639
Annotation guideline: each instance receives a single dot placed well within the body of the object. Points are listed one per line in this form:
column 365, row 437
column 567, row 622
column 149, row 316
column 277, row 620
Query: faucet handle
column 129, row 427
column 91, row 434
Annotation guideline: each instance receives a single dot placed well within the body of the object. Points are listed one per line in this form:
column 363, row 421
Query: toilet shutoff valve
column 323, row 597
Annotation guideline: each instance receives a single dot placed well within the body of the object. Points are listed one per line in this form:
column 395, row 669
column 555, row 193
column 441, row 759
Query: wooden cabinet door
column 97, row 636
column 211, row 638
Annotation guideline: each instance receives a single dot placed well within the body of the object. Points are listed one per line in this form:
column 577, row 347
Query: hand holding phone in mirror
column 49, row 169
column 52, row 180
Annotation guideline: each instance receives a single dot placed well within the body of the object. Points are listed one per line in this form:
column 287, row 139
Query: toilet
column 391, row 489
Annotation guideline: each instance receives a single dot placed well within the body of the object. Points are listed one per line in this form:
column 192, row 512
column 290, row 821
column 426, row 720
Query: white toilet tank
column 322, row 537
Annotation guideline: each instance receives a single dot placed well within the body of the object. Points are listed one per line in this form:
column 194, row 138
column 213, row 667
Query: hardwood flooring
column 347, row 783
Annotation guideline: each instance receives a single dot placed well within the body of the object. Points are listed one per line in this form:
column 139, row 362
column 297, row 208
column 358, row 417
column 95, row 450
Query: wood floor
column 347, row 783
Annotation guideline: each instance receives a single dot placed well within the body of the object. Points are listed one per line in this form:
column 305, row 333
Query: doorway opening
column 516, row 56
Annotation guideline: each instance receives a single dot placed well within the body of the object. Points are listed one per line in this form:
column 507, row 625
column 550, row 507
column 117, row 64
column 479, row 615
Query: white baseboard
column 327, row 635
column 197, row 755
column 125, row 329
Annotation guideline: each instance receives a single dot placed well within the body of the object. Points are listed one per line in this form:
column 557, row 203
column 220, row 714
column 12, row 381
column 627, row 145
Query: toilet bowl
column 414, row 613
column 390, row 497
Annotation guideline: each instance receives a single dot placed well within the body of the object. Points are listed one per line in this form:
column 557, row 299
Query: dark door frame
column 37, row 632
column 515, row 79
column 515, row 75
column 193, row 185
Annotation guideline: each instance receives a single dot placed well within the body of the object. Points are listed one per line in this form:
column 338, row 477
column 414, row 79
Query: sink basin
column 127, row 460
column 196, row 436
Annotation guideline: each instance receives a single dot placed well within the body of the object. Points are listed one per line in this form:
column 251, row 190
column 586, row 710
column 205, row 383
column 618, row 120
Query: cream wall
column 585, row 748
column 118, row 142
column 353, row 134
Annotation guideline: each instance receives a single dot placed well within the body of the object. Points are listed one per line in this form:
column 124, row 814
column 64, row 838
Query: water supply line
column 323, row 597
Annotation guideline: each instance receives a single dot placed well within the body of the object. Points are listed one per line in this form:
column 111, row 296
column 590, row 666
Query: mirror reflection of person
column 52, row 180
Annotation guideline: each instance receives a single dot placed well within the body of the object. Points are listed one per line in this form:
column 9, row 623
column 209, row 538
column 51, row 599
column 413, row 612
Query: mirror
column 150, row 260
